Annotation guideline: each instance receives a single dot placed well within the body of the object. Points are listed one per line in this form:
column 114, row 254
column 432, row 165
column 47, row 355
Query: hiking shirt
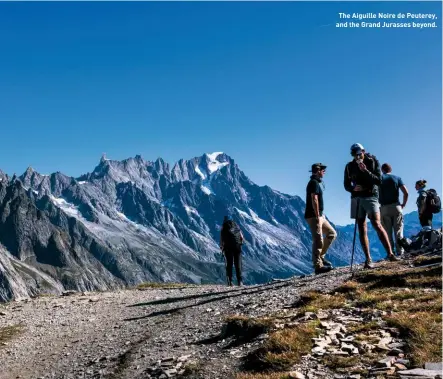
column 389, row 189
column 314, row 187
column 370, row 180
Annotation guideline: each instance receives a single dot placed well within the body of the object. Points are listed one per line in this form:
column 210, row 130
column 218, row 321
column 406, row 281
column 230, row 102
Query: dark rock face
column 132, row 221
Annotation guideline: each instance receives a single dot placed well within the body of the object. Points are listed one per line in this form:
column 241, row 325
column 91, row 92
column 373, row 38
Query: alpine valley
column 134, row 221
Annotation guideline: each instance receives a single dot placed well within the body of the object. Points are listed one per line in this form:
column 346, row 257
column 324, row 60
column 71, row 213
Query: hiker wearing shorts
column 361, row 178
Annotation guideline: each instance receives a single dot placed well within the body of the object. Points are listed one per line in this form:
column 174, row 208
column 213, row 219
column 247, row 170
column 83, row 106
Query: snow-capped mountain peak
column 215, row 161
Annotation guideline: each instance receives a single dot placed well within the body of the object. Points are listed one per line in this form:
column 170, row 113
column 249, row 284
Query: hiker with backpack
column 428, row 203
column 231, row 241
column 362, row 177
column 316, row 220
column 390, row 208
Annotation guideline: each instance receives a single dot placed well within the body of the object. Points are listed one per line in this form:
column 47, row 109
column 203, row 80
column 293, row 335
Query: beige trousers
column 392, row 221
column 319, row 245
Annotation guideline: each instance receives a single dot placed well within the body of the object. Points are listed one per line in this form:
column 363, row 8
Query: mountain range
column 135, row 221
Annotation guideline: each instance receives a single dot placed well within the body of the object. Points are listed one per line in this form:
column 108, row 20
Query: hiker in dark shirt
column 317, row 221
column 390, row 207
column 424, row 215
column 362, row 178
column 231, row 241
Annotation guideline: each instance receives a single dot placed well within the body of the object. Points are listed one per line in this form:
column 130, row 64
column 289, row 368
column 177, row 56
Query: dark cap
column 317, row 166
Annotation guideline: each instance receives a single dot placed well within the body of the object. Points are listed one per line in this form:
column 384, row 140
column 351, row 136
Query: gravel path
column 124, row 334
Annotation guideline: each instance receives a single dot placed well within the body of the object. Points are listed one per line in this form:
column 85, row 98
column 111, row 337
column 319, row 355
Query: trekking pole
column 355, row 234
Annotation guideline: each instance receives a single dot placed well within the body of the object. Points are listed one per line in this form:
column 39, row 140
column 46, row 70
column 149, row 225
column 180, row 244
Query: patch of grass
column 424, row 282
column 246, row 327
column 313, row 301
column 334, row 362
column 396, row 277
column 364, row 327
column 283, row 349
column 155, row 285
column 348, row 287
column 9, row 332
column 412, row 298
column 367, row 338
column 422, row 330
column 422, row 261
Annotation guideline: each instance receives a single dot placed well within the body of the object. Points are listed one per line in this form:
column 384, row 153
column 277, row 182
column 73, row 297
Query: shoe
column 240, row 283
column 326, row 262
column 368, row 265
column 229, row 283
column 393, row 258
column 322, row 270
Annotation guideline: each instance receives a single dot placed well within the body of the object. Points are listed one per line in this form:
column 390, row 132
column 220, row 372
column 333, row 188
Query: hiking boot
column 322, row 270
column 229, row 283
column 368, row 265
column 393, row 258
column 326, row 262
column 240, row 283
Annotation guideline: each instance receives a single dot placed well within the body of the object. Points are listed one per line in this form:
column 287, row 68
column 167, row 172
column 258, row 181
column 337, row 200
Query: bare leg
column 363, row 235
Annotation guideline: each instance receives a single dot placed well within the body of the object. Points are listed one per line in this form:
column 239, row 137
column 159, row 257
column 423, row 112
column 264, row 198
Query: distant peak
column 213, row 156
column 103, row 158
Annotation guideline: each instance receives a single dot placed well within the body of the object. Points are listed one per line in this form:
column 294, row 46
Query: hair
column 386, row 167
column 420, row 183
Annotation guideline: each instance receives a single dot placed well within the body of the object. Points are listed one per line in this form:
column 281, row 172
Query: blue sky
column 274, row 85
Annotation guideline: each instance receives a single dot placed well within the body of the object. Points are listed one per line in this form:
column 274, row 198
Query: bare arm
column 314, row 198
column 347, row 180
column 374, row 176
column 405, row 195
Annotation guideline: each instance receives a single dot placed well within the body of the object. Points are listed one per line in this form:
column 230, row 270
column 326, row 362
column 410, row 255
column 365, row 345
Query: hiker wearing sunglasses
column 362, row 178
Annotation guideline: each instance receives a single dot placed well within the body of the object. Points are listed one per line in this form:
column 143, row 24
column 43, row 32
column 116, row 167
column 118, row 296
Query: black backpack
column 231, row 234
column 433, row 202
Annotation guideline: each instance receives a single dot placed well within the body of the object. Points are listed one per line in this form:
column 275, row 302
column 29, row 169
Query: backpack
column 433, row 202
column 377, row 169
column 231, row 234
column 426, row 240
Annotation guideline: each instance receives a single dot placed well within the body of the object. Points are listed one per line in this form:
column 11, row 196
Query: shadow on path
column 177, row 309
column 207, row 294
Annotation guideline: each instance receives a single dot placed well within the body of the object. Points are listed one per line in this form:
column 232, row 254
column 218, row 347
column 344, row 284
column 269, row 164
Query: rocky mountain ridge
column 134, row 221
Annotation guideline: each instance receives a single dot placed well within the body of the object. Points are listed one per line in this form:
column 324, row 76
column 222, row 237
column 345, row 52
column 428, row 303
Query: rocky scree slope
column 133, row 221
column 377, row 323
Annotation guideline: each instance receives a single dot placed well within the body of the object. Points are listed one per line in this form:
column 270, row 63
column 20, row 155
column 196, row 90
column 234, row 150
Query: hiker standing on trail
column 362, row 178
column 390, row 208
column 424, row 206
column 316, row 220
column 231, row 241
